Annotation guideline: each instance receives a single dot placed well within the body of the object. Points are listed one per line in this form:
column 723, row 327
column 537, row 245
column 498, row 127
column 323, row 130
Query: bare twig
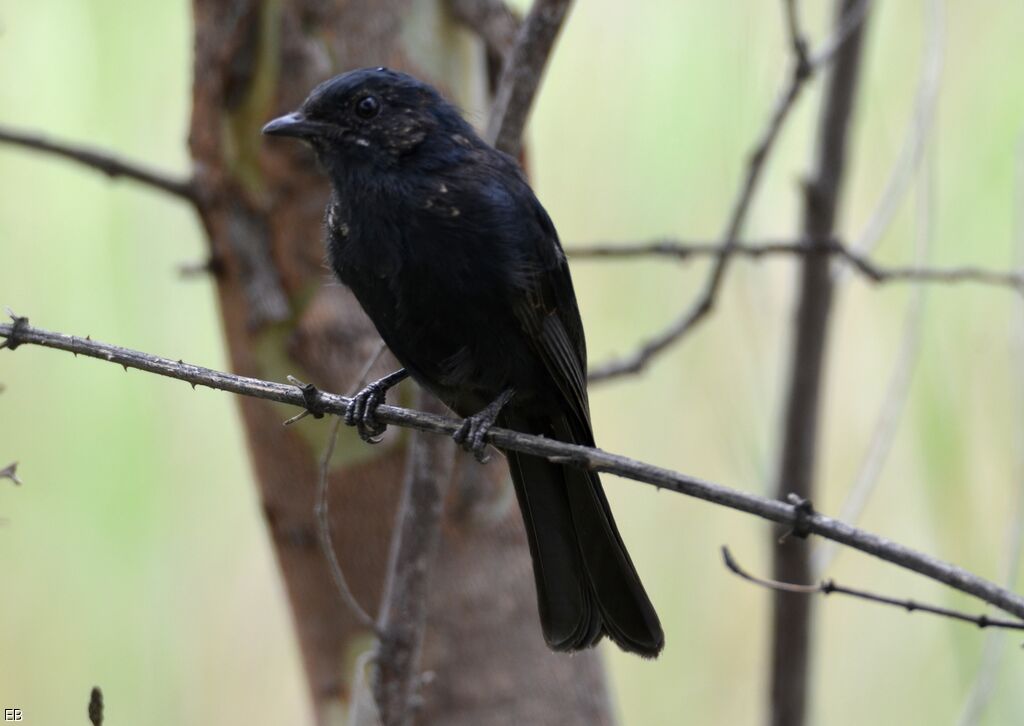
column 404, row 611
column 896, row 391
column 364, row 373
column 102, row 161
column 795, row 473
column 862, row 264
column 521, row 76
column 11, row 472
column 211, row 266
column 797, row 40
column 992, row 654
column 916, row 136
column 803, row 70
column 568, row 454
column 828, row 587
column 323, row 528
column 494, row 21
column 322, row 510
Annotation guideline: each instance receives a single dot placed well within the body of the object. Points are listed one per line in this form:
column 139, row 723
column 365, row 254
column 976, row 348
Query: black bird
column 459, row 267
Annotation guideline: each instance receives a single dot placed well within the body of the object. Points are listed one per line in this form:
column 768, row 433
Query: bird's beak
column 292, row 124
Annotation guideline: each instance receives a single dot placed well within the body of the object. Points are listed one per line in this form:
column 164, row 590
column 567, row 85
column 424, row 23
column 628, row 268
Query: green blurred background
column 134, row 556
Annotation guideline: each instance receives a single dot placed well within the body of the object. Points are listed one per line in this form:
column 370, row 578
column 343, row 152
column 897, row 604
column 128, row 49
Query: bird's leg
column 474, row 428
column 364, row 404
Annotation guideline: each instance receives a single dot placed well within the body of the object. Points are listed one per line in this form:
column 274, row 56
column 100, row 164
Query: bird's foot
column 474, row 429
column 361, row 411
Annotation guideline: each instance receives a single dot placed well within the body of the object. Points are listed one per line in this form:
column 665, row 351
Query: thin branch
column 321, row 509
column 803, row 70
column 323, row 528
column 521, row 76
column 916, row 136
column 862, row 264
column 568, row 454
column 797, row 39
column 494, row 21
column 829, row 587
column 897, row 390
column 11, row 472
column 795, row 473
column 403, row 616
column 102, row 161
column 992, row 654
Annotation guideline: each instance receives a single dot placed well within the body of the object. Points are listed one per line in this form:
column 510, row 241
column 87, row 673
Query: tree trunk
column 261, row 206
column 791, row 613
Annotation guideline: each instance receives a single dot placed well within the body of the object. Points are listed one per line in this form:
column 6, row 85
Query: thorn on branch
column 310, row 398
column 96, row 706
column 827, row 587
column 803, row 510
column 11, row 472
column 213, row 265
column 14, row 338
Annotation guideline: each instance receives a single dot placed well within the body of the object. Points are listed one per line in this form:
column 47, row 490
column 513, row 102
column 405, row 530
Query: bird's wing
column 491, row 199
column 551, row 318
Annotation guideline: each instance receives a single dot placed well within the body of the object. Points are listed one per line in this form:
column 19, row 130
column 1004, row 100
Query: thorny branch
column 862, row 264
column 569, row 454
column 828, row 587
column 804, row 68
column 104, row 162
column 521, row 76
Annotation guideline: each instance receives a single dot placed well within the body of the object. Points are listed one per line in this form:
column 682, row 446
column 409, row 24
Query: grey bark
column 791, row 616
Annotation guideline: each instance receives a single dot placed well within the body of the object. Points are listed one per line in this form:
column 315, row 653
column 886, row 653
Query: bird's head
column 371, row 117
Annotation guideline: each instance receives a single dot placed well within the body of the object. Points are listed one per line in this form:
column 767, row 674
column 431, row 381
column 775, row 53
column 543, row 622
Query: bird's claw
column 471, row 435
column 361, row 412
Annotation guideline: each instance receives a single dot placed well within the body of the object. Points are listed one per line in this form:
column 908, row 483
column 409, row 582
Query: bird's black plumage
column 459, row 267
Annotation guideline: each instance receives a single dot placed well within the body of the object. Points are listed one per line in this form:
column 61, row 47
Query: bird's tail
column 587, row 586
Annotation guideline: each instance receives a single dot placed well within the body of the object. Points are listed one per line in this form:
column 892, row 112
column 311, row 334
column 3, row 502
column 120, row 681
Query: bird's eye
column 367, row 107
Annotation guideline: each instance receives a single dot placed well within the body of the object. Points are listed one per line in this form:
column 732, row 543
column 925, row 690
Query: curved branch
column 804, row 68
column 594, row 459
column 916, row 136
column 103, row 162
